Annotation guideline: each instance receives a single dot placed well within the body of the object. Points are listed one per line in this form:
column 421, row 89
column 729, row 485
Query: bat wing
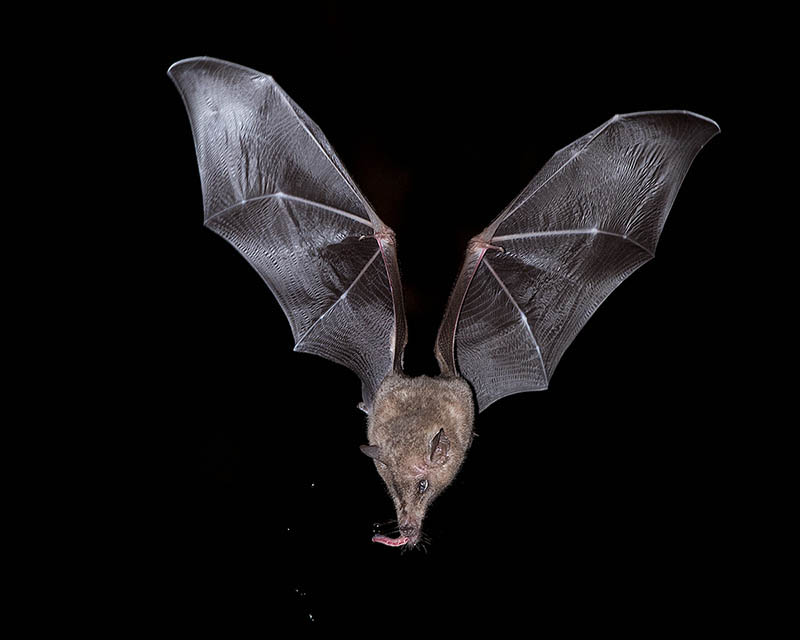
column 587, row 220
column 274, row 188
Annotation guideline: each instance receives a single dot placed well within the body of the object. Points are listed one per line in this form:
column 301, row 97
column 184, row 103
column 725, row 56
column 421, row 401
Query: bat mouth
column 391, row 542
column 408, row 535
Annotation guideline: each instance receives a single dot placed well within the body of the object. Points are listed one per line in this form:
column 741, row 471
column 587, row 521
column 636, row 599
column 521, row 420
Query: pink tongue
column 390, row 542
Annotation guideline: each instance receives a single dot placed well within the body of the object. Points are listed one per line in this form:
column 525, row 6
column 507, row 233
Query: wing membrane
column 588, row 219
column 274, row 188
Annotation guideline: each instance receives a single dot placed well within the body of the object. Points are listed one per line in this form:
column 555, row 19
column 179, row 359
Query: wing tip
column 667, row 112
column 210, row 60
column 185, row 62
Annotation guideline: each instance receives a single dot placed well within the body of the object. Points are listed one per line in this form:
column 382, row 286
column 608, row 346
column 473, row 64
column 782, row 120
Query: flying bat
column 274, row 188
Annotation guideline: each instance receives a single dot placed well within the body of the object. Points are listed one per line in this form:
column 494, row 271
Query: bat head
column 419, row 432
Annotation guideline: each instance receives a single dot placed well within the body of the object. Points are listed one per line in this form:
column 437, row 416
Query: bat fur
column 419, row 432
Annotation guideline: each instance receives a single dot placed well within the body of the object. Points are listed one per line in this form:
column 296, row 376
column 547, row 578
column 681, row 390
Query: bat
column 274, row 188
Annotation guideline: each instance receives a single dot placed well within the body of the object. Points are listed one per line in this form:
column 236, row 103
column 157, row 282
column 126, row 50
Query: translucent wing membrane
column 589, row 218
column 274, row 188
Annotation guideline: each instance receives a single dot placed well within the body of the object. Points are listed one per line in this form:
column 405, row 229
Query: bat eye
column 422, row 486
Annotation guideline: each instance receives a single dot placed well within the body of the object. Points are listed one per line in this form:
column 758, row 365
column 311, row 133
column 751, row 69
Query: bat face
column 419, row 432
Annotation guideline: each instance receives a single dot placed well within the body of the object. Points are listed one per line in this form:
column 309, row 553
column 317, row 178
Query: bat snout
column 410, row 529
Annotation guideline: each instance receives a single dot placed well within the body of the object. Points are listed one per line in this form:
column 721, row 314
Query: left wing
column 589, row 219
column 274, row 188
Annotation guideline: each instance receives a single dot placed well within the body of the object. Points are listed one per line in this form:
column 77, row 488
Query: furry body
column 419, row 432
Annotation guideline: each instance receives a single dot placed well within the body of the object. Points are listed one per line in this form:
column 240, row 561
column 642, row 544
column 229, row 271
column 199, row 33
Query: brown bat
column 274, row 188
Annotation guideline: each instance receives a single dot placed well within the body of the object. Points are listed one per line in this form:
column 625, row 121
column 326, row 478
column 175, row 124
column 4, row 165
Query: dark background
column 607, row 501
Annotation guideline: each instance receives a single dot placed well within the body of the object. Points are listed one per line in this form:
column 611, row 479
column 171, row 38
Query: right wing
column 274, row 188
column 587, row 220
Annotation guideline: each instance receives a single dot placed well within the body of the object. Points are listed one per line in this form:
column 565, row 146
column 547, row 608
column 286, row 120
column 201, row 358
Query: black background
column 606, row 502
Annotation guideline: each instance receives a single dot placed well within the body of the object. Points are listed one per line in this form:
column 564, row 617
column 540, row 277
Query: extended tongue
column 390, row 542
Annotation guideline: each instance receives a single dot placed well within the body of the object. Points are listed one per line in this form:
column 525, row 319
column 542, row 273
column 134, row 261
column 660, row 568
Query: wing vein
column 557, row 171
column 522, row 315
column 322, row 149
column 564, row 232
column 286, row 196
column 339, row 299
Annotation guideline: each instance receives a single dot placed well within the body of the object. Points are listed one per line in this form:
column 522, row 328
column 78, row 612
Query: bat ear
column 440, row 446
column 371, row 451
